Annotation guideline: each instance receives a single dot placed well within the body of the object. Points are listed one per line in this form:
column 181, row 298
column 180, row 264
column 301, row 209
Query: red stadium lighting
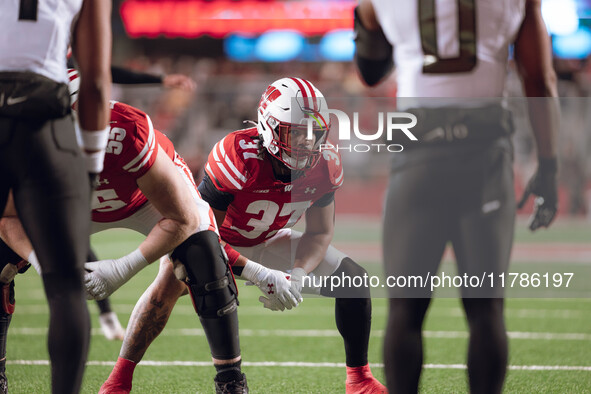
column 194, row 18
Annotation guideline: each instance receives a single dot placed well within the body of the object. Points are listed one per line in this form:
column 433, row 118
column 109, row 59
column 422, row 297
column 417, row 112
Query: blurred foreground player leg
column 40, row 159
column 458, row 190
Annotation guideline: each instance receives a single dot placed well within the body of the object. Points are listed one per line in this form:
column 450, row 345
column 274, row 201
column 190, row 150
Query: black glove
column 543, row 185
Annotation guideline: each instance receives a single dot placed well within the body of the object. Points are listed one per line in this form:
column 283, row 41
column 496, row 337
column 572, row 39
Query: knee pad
column 345, row 277
column 209, row 278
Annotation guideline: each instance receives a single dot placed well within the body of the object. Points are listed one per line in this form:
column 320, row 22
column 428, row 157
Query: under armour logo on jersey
column 270, row 286
column 310, row 190
column 103, row 182
column 288, row 188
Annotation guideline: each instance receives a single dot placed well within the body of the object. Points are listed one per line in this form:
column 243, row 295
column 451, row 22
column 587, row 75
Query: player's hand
column 296, row 277
column 543, row 185
column 179, row 81
column 278, row 293
column 103, row 277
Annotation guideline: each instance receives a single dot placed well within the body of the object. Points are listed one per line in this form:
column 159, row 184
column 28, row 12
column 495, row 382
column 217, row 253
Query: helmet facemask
column 298, row 148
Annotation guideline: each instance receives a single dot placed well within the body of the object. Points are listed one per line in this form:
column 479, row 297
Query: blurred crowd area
column 228, row 93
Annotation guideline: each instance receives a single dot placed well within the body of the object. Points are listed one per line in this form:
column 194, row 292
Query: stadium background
column 300, row 351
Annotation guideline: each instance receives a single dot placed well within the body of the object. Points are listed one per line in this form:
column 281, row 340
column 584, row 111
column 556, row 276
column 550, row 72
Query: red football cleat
column 113, row 388
column 361, row 381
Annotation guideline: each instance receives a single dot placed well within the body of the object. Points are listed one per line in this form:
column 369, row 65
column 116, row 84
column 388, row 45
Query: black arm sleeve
column 215, row 198
column 373, row 53
column 324, row 200
column 125, row 76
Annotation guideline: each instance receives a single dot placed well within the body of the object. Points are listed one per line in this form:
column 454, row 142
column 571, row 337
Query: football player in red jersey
column 259, row 182
column 146, row 186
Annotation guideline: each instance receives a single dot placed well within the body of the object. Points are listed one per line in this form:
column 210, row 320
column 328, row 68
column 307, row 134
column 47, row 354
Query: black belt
column 456, row 125
column 27, row 95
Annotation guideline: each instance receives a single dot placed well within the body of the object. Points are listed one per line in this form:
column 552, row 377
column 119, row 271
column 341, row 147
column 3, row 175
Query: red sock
column 119, row 380
column 356, row 374
column 360, row 380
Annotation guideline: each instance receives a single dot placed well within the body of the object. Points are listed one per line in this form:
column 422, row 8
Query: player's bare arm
column 533, row 57
column 317, row 237
column 367, row 15
column 169, row 194
column 92, row 48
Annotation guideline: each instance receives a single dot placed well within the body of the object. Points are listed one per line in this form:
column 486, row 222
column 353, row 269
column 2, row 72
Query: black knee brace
column 210, row 280
column 347, row 273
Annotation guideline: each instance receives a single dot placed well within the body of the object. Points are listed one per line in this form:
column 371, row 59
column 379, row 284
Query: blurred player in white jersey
column 40, row 159
column 147, row 187
column 457, row 187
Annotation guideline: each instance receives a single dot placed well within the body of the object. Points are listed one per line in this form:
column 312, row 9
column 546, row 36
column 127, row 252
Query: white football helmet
column 289, row 105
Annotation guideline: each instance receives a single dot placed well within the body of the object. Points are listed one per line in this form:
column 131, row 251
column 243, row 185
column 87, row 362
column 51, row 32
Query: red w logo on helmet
column 269, row 96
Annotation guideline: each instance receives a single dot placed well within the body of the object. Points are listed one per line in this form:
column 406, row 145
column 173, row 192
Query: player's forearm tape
column 129, row 265
column 370, row 44
column 34, row 262
column 95, row 140
column 232, row 254
column 252, row 271
column 94, row 161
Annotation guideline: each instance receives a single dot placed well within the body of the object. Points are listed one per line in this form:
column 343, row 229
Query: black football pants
column 41, row 162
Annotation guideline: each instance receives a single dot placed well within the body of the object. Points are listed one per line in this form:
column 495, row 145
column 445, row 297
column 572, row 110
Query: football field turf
column 300, row 351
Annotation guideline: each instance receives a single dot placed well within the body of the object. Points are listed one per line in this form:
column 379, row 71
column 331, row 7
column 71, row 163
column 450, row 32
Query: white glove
column 105, row 276
column 277, row 289
column 297, row 276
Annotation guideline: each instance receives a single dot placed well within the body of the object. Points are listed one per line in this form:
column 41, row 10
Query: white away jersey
column 426, row 39
column 37, row 41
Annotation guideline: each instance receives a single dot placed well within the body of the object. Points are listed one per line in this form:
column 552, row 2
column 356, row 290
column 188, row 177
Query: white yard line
column 333, row 333
column 288, row 364
column 439, row 311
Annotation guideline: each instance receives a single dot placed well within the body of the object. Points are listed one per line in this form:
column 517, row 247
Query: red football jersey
column 131, row 151
column 262, row 204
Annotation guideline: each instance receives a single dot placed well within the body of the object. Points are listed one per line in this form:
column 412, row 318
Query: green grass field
column 300, row 351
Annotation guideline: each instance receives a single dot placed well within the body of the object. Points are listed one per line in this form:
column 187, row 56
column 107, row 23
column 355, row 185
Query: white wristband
column 94, row 161
column 95, row 140
column 34, row 262
column 251, row 271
